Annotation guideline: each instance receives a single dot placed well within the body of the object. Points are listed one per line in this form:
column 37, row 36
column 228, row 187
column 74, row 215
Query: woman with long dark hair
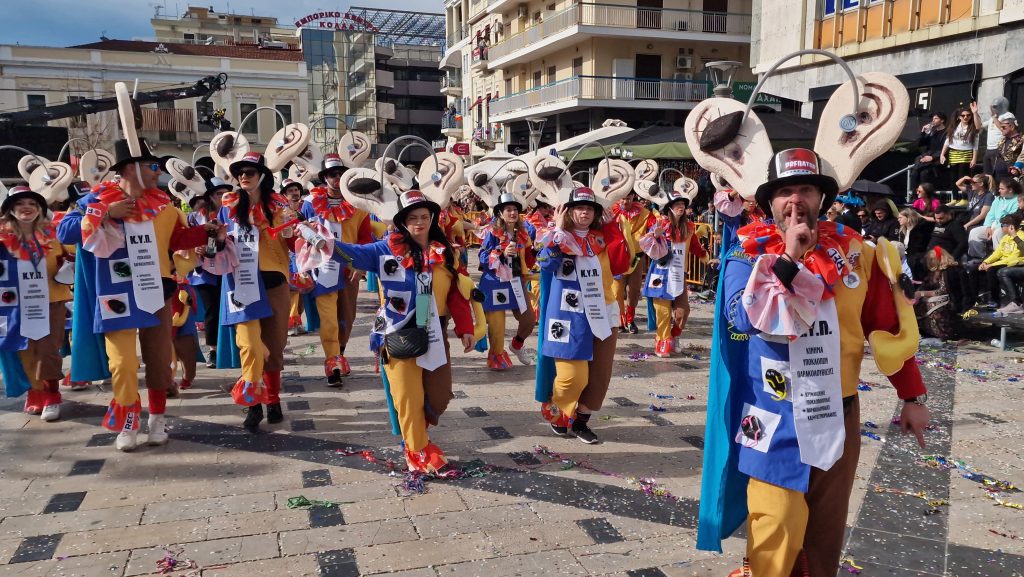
column 668, row 243
column 254, row 294
column 420, row 289
column 31, row 301
column 961, row 151
column 506, row 255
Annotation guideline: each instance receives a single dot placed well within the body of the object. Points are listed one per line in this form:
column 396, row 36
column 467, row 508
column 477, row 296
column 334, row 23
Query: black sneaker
column 253, row 418
column 334, row 381
column 560, row 431
column 274, row 414
column 623, row 330
column 211, row 360
column 584, row 433
column 632, row 328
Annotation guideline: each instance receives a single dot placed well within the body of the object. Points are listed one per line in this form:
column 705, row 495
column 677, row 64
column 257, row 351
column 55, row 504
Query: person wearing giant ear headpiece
column 635, row 219
column 798, row 297
column 32, row 301
column 205, row 208
column 131, row 227
column 579, row 259
column 337, row 288
column 668, row 241
column 421, row 289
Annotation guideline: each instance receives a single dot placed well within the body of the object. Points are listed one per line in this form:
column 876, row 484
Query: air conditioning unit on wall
column 684, row 62
column 522, row 12
column 682, row 76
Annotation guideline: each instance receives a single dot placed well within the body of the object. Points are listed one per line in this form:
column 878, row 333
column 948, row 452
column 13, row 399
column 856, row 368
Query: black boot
column 582, row 431
column 211, row 359
column 633, row 328
column 253, row 419
column 274, row 414
column 334, row 380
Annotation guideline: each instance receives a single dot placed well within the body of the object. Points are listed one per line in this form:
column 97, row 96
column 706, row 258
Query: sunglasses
column 965, row 116
column 154, row 166
column 250, row 172
column 333, row 174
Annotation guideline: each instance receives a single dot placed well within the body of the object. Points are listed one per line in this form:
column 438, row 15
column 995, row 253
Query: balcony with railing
column 451, row 84
column 611, row 91
column 170, row 125
column 480, row 58
column 451, row 125
column 561, row 29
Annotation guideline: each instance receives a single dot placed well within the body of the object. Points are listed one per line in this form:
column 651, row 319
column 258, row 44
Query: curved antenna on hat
column 67, row 145
column 197, row 149
column 669, row 169
column 325, row 117
column 506, row 163
column 416, row 141
column 257, row 109
column 41, row 162
column 847, row 123
column 586, row 145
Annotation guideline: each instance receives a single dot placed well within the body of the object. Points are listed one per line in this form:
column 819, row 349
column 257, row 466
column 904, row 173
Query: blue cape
column 16, row 382
column 88, row 349
column 545, row 374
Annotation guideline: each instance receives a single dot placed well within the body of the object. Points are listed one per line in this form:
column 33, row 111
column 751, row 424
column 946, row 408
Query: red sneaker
column 35, row 401
column 185, row 384
column 345, row 367
column 430, row 460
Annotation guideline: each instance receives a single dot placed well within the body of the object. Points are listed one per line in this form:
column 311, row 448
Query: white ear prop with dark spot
column 521, row 187
column 743, row 160
column 550, row 177
column 28, row 164
column 397, row 175
column 228, row 147
column 354, row 149
column 94, row 165
column 484, row 187
column 646, row 169
column 650, row 191
column 51, row 180
column 286, row 144
column 440, row 180
column 362, row 188
column 686, row 187
column 614, row 179
column 881, row 115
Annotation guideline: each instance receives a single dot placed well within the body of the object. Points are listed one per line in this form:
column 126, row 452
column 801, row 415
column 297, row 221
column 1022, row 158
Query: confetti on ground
column 648, row 485
column 1007, row 504
column 970, row 473
column 870, row 435
column 1007, row 535
column 656, row 409
column 870, row 425
column 301, row 501
column 691, row 398
column 639, row 356
column 920, row 495
column 414, row 482
column 657, row 396
column 170, row 561
column 851, row 566
column 311, row 349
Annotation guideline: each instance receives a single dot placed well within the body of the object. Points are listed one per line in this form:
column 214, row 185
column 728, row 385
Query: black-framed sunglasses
column 250, row 172
column 333, row 174
column 154, row 166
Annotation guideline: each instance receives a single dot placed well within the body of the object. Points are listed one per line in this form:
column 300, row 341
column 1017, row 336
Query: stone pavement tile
column 421, row 572
column 357, row 535
column 971, row 515
column 437, row 500
column 223, row 526
column 54, row 523
column 344, row 493
column 629, row 555
column 897, row 550
column 22, row 505
column 12, row 488
column 38, row 548
column 637, row 529
column 206, row 553
column 537, row 537
column 294, row 566
column 105, row 565
column 424, row 553
column 474, row 520
column 969, row 561
column 374, row 510
column 541, row 564
column 559, row 514
column 211, row 507
column 7, row 549
column 475, row 499
column 132, row 537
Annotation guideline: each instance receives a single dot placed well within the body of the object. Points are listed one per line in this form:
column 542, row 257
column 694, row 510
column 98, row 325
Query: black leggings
column 211, row 302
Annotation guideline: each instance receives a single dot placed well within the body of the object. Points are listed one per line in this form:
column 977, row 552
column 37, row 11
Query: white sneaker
column 157, row 433
column 1013, row 309
column 126, row 441
column 677, row 344
column 293, row 332
column 51, row 412
column 524, row 355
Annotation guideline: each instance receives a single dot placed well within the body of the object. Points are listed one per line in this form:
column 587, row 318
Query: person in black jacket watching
column 914, row 233
column 927, row 167
column 883, row 223
column 948, row 233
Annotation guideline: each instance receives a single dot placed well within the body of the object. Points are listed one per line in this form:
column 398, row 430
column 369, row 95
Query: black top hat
column 331, row 162
column 796, row 166
column 17, row 193
column 506, row 199
column 414, row 199
column 123, row 156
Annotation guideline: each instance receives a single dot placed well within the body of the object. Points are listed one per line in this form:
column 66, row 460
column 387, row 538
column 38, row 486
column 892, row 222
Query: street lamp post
column 722, row 72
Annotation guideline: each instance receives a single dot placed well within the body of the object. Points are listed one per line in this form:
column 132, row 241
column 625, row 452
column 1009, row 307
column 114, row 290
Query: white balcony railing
column 628, row 17
column 603, row 88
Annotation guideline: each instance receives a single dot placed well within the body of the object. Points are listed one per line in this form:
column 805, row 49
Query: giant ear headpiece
column 187, row 177
column 311, row 158
column 354, row 149
column 645, row 170
column 363, row 189
column 286, row 145
column 94, row 165
column 550, row 176
column 614, row 179
column 227, row 148
column 440, row 176
column 400, row 177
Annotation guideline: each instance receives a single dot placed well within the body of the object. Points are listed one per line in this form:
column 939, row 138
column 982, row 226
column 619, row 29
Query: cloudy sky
column 70, row 22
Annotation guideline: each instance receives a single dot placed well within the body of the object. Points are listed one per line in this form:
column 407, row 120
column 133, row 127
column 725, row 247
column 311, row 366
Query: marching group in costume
column 797, row 296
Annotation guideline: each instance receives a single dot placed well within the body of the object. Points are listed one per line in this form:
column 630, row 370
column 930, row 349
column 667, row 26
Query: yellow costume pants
column 330, row 307
column 295, row 309
column 626, row 289
column 349, row 300
column 155, row 344
column 261, row 342
column 496, row 327
column 782, row 522
column 41, row 358
column 420, row 396
column 533, row 295
column 671, row 313
column 584, row 382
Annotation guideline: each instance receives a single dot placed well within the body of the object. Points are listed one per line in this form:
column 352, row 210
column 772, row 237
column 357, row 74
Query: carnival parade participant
column 183, row 319
column 336, row 288
column 254, row 291
column 579, row 260
column 205, row 209
column 421, row 289
column 668, row 243
column 298, row 283
column 540, row 217
column 506, row 255
column 799, row 296
column 32, row 302
column 635, row 219
column 131, row 227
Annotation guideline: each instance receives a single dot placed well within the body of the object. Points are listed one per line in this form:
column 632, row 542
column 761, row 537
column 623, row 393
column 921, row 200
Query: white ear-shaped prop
column 303, row 175
column 185, row 175
column 400, row 177
column 551, row 178
column 686, row 187
column 51, row 180
column 180, row 190
column 440, row 180
column 484, row 187
column 614, row 179
column 221, row 172
column 354, row 149
column 881, row 115
column 94, row 165
column 650, row 191
column 521, row 187
column 285, row 145
column 647, row 169
column 228, row 147
column 742, row 160
column 311, row 158
column 28, row 164
column 362, row 189
column 130, row 117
